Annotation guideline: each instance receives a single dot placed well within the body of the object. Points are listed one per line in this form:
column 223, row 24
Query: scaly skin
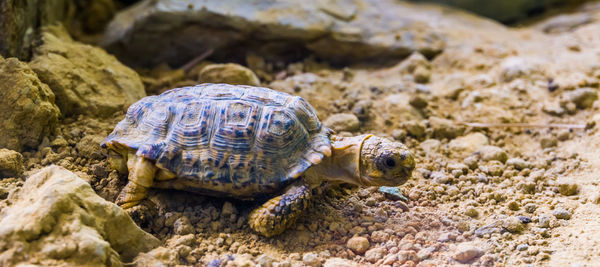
column 279, row 213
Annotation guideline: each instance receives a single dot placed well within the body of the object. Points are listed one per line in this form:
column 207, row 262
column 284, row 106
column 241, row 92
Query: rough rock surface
column 26, row 104
column 342, row 30
column 228, row 73
column 57, row 219
column 85, row 79
column 11, row 163
column 20, row 19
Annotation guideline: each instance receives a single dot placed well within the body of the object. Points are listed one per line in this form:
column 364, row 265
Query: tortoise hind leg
column 279, row 213
column 141, row 177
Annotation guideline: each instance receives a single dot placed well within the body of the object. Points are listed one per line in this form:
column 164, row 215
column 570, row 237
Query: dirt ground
column 508, row 191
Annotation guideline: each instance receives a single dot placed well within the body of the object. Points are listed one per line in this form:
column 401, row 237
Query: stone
column 513, row 224
column 548, row 141
column 363, row 30
column 561, row 213
column 440, row 177
column 471, row 212
column 466, row 252
column 443, row 128
column 512, row 68
column 228, row 73
column 431, row 146
column 544, row 221
column 518, row 163
column 11, row 163
column 503, row 11
column 568, row 189
column 85, row 79
column 375, row 254
column 265, row 260
column 489, row 153
column 468, row 144
column 20, row 20
column 414, row 128
column 89, row 147
column 522, row 247
column 342, row 122
column 57, row 219
column 583, row 98
column 183, row 226
column 311, row 259
column 446, row 237
column 358, row 244
column 339, row 262
column 27, row 105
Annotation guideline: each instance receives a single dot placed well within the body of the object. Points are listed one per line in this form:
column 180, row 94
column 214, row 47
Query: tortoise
column 245, row 142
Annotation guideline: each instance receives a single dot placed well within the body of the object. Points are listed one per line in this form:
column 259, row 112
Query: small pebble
column 518, row 163
column 11, row 163
column 489, row 153
column 548, row 141
column 311, row 259
column 544, row 221
column 343, row 122
column 561, row 213
column 358, row 244
column 471, row 212
column 522, row 247
column 466, row 252
column 524, row 219
column 568, row 189
column 375, row 254
column 531, row 207
column 513, row 224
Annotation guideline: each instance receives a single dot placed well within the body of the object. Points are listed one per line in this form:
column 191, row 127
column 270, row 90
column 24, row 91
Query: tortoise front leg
column 279, row 213
column 141, row 177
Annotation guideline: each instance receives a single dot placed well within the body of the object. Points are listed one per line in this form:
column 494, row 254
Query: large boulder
column 20, row 19
column 504, row 11
column 26, row 104
column 57, row 219
column 337, row 30
column 85, row 79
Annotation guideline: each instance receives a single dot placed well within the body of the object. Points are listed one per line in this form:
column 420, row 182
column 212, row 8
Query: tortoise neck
column 344, row 164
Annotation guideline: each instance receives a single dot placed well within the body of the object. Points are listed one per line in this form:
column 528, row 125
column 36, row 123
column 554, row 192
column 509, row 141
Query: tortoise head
column 370, row 160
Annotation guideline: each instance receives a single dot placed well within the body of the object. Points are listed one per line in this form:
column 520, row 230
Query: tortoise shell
column 240, row 141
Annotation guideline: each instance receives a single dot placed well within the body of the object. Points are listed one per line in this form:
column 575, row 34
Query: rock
column 568, row 189
column 446, row 237
column 513, row 224
column 57, row 219
column 358, row 244
column 561, row 213
column 264, row 260
column 228, row 73
column 311, row 259
column 274, row 29
column 182, row 226
column 583, row 98
column 339, row 262
column 11, row 163
column 27, row 105
column 466, row 252
column 362, row 109
column 20, row 20
column 512, row 68
column 493, row 168
column 564, row 23
column 418, row 102
column 471, row 212
column 531, row 207
column 431, row 146
column 544, row 221
column 443, row 128
column 392, row 192
column 414, row 128
column 89, row 147
column 342, row 122
column 503, row 11
column 440, row 177
column 518, row 163
column 488, row 229
column 489, row 153
column 375, row 254
column 468, row 144
column 522, row 247
column 85, row 79
column 548, row 141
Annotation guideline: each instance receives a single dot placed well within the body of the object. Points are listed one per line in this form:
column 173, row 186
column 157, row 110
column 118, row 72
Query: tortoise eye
column 390, row 162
